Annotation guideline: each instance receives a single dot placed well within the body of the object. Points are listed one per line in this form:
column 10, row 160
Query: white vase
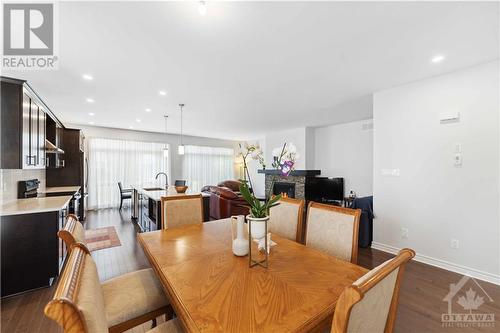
column 258, row 226
column 240, row 243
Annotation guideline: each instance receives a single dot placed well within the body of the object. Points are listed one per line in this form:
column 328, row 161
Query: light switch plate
column 457, row 158
column 390, row 172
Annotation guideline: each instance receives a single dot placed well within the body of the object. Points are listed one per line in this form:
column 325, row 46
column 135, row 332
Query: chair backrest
column 180, row 182
column 181, row 210
column 78, row 303
column 73, row 232
column 120, row 186
column 333, row 230
column 370, row 303
column 286, row 218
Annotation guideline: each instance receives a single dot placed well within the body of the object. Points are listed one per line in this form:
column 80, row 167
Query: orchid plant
column 283, row 160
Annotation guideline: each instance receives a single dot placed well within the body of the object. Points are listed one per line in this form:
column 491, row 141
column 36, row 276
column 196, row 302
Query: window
column 207, row 166
column 111, row 161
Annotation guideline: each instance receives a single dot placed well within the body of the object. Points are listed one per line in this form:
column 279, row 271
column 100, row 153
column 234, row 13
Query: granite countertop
column 34, row 205
column 61, row 189
column 154, row 191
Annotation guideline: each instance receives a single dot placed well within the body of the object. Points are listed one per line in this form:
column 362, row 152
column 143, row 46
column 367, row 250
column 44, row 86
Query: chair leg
column 153, row 324
column 121, row 203
column 169, row 314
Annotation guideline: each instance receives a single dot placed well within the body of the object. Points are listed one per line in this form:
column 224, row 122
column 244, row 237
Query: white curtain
column 207, row 166
column 112, row 161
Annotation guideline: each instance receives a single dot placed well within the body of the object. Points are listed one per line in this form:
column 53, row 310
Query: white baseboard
column 472, row 272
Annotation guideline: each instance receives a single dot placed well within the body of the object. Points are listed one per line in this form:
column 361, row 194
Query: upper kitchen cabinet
column 25, row 119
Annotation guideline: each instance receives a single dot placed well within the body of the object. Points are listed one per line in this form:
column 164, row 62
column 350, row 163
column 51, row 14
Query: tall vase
column 257, row 228
column 240, row 243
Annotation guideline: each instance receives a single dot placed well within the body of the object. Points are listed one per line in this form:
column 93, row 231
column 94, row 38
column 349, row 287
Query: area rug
column 101, row 238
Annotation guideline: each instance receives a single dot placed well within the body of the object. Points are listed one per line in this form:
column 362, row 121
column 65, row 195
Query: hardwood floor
column 420, row 307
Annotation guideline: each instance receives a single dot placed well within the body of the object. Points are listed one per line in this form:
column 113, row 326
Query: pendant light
column 180, row 149
column 165, row 149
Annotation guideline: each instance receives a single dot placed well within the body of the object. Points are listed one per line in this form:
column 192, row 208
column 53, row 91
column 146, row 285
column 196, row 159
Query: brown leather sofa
column 225, row 200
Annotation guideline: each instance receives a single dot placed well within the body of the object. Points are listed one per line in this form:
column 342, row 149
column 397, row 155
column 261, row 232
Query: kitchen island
column 146, row 204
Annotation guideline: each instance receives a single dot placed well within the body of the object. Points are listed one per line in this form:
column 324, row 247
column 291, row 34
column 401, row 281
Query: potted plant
column 283, row 160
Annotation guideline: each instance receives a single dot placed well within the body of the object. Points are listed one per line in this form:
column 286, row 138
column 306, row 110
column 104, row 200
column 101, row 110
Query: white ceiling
column 248, row 68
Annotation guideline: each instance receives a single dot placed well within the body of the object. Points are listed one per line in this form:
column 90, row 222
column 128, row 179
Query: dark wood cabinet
column 23, row 126
column 31, row 253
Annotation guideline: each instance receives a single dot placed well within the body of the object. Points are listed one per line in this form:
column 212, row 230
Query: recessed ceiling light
column 437, row 58
column 91, row 123
column 91, row 114
column 162, row 93
column 202, row 8
column 131, row 127
column 87, row 77
column 148, row 110
column 90, row 100
column 138, row 120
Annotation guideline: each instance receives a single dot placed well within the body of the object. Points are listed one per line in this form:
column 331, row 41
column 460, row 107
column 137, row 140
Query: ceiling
column 248, row 68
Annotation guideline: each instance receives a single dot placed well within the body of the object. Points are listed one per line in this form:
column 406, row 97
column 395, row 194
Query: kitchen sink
column 154, row 189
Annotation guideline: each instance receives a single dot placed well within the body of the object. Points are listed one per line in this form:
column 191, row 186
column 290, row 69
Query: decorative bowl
column 181, row 189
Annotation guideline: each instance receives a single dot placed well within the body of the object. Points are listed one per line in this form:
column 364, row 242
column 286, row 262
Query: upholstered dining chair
column 333, row 230
column 73, row 232
column 181, row 210
column 125, row 193
column 286, row 218
column 370, row 303
column 82, row 304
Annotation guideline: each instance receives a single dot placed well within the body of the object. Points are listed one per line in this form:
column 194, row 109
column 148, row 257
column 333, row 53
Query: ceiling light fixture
column 162, row 93
column 165, row 148
column 87, row 77
column 131, row 127
column 138, row 120
column 148, row 110
column 91, row 123
column 180, row 149
column 91, row 114
column 90, row 100
column 202, row 8
column 437, row 58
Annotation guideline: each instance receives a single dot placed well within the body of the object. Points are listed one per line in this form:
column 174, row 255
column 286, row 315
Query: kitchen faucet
column 166, row 178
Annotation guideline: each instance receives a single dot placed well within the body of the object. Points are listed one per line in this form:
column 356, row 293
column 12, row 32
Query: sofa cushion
column 131, row 295
column 233, row 185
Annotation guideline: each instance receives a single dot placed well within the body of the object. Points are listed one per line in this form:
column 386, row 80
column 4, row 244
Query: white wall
column 434, row 199
column 172, row 139
column 346, row 150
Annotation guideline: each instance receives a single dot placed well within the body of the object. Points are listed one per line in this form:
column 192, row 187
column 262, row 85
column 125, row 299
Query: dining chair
column 73, row 232
column 181, row 210
column 333, row 230
column 82, row 304
column 370, row 303
column 180, row 182
column 125, row 193
column 286, row 218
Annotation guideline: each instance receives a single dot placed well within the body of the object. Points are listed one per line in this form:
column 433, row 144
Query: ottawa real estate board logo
column 466, row 303
column 30, row 36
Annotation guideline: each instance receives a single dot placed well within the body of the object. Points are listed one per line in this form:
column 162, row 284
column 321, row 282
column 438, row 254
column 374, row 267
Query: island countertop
column 155, row 191
column 34, row 205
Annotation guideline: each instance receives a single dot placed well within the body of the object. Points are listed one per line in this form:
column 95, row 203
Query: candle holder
column 257, row 229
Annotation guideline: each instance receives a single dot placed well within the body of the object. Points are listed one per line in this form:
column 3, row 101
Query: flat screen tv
column 323, row 189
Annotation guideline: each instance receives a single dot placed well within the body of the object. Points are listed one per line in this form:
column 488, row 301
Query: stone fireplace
column 297, row 178
column 285, row 189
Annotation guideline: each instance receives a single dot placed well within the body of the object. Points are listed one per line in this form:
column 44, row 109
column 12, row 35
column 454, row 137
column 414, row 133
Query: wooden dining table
column 212, row 290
